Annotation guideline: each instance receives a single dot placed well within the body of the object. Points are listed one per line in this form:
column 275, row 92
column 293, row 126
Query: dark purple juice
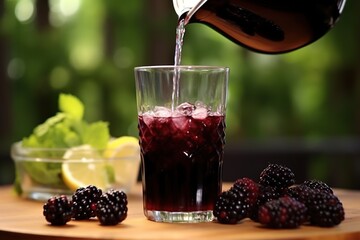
column 182, row 158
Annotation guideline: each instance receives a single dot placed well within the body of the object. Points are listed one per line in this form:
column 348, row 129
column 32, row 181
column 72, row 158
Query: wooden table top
column 22, row 219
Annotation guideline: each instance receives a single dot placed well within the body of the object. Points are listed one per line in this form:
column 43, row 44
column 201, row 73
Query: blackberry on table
column 284, row 212
column 324, row 209
column 277, row 176
column 299, row 192
column 277, row 203
column 249, row 188
column 266, row 194
column 112, row 208
column 58, row 210
column 230, row 207
column 317, row 184
column 85, row 201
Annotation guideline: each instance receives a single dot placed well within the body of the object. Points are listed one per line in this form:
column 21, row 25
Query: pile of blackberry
column 276, row 202
column 87, row 202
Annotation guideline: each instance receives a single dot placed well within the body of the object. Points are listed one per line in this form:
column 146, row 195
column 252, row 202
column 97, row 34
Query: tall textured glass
column 181, row 120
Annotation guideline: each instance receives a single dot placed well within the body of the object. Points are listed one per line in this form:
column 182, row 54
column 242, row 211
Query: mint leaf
column 71, row 105
column 43, row 128
column 31, row 141
column 64, row 130
column 96, row 134
column 48, row 173
column 55, row 132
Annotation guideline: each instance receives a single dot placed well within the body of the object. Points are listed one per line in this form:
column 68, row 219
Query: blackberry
column 112, row 208
column 317, row 184
column 284, row 212
column 84, row 202
column 58, row 210
column 299, row 192
column 277, row 176
column 324, row 209
column 249, row 188
column 230, row 207
column 266, row 194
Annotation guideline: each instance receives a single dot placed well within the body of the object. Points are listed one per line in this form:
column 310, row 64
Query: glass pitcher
column 266, row 26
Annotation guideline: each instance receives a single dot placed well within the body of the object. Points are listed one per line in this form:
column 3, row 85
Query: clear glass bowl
column 45, row 172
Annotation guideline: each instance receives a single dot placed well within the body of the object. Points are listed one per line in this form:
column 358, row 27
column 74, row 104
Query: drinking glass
column 181, row 121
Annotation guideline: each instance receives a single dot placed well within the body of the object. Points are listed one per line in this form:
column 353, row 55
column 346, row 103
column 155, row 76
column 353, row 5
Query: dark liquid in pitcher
column 270, row 26
column 182, row 160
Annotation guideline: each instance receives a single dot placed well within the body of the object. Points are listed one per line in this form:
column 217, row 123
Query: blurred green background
column 301, row 108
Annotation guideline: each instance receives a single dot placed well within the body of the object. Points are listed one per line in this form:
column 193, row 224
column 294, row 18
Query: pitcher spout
column 185, row 9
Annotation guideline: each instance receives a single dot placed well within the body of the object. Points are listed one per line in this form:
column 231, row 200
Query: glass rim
column 185, row 67
column 19, row 145
column 20, row 153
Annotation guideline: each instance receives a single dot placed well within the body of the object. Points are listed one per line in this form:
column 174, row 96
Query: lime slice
column 123, row 154
column 85, row 166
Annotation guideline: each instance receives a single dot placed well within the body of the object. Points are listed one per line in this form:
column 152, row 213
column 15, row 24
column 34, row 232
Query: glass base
column 179, row 217
column 43, row 194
